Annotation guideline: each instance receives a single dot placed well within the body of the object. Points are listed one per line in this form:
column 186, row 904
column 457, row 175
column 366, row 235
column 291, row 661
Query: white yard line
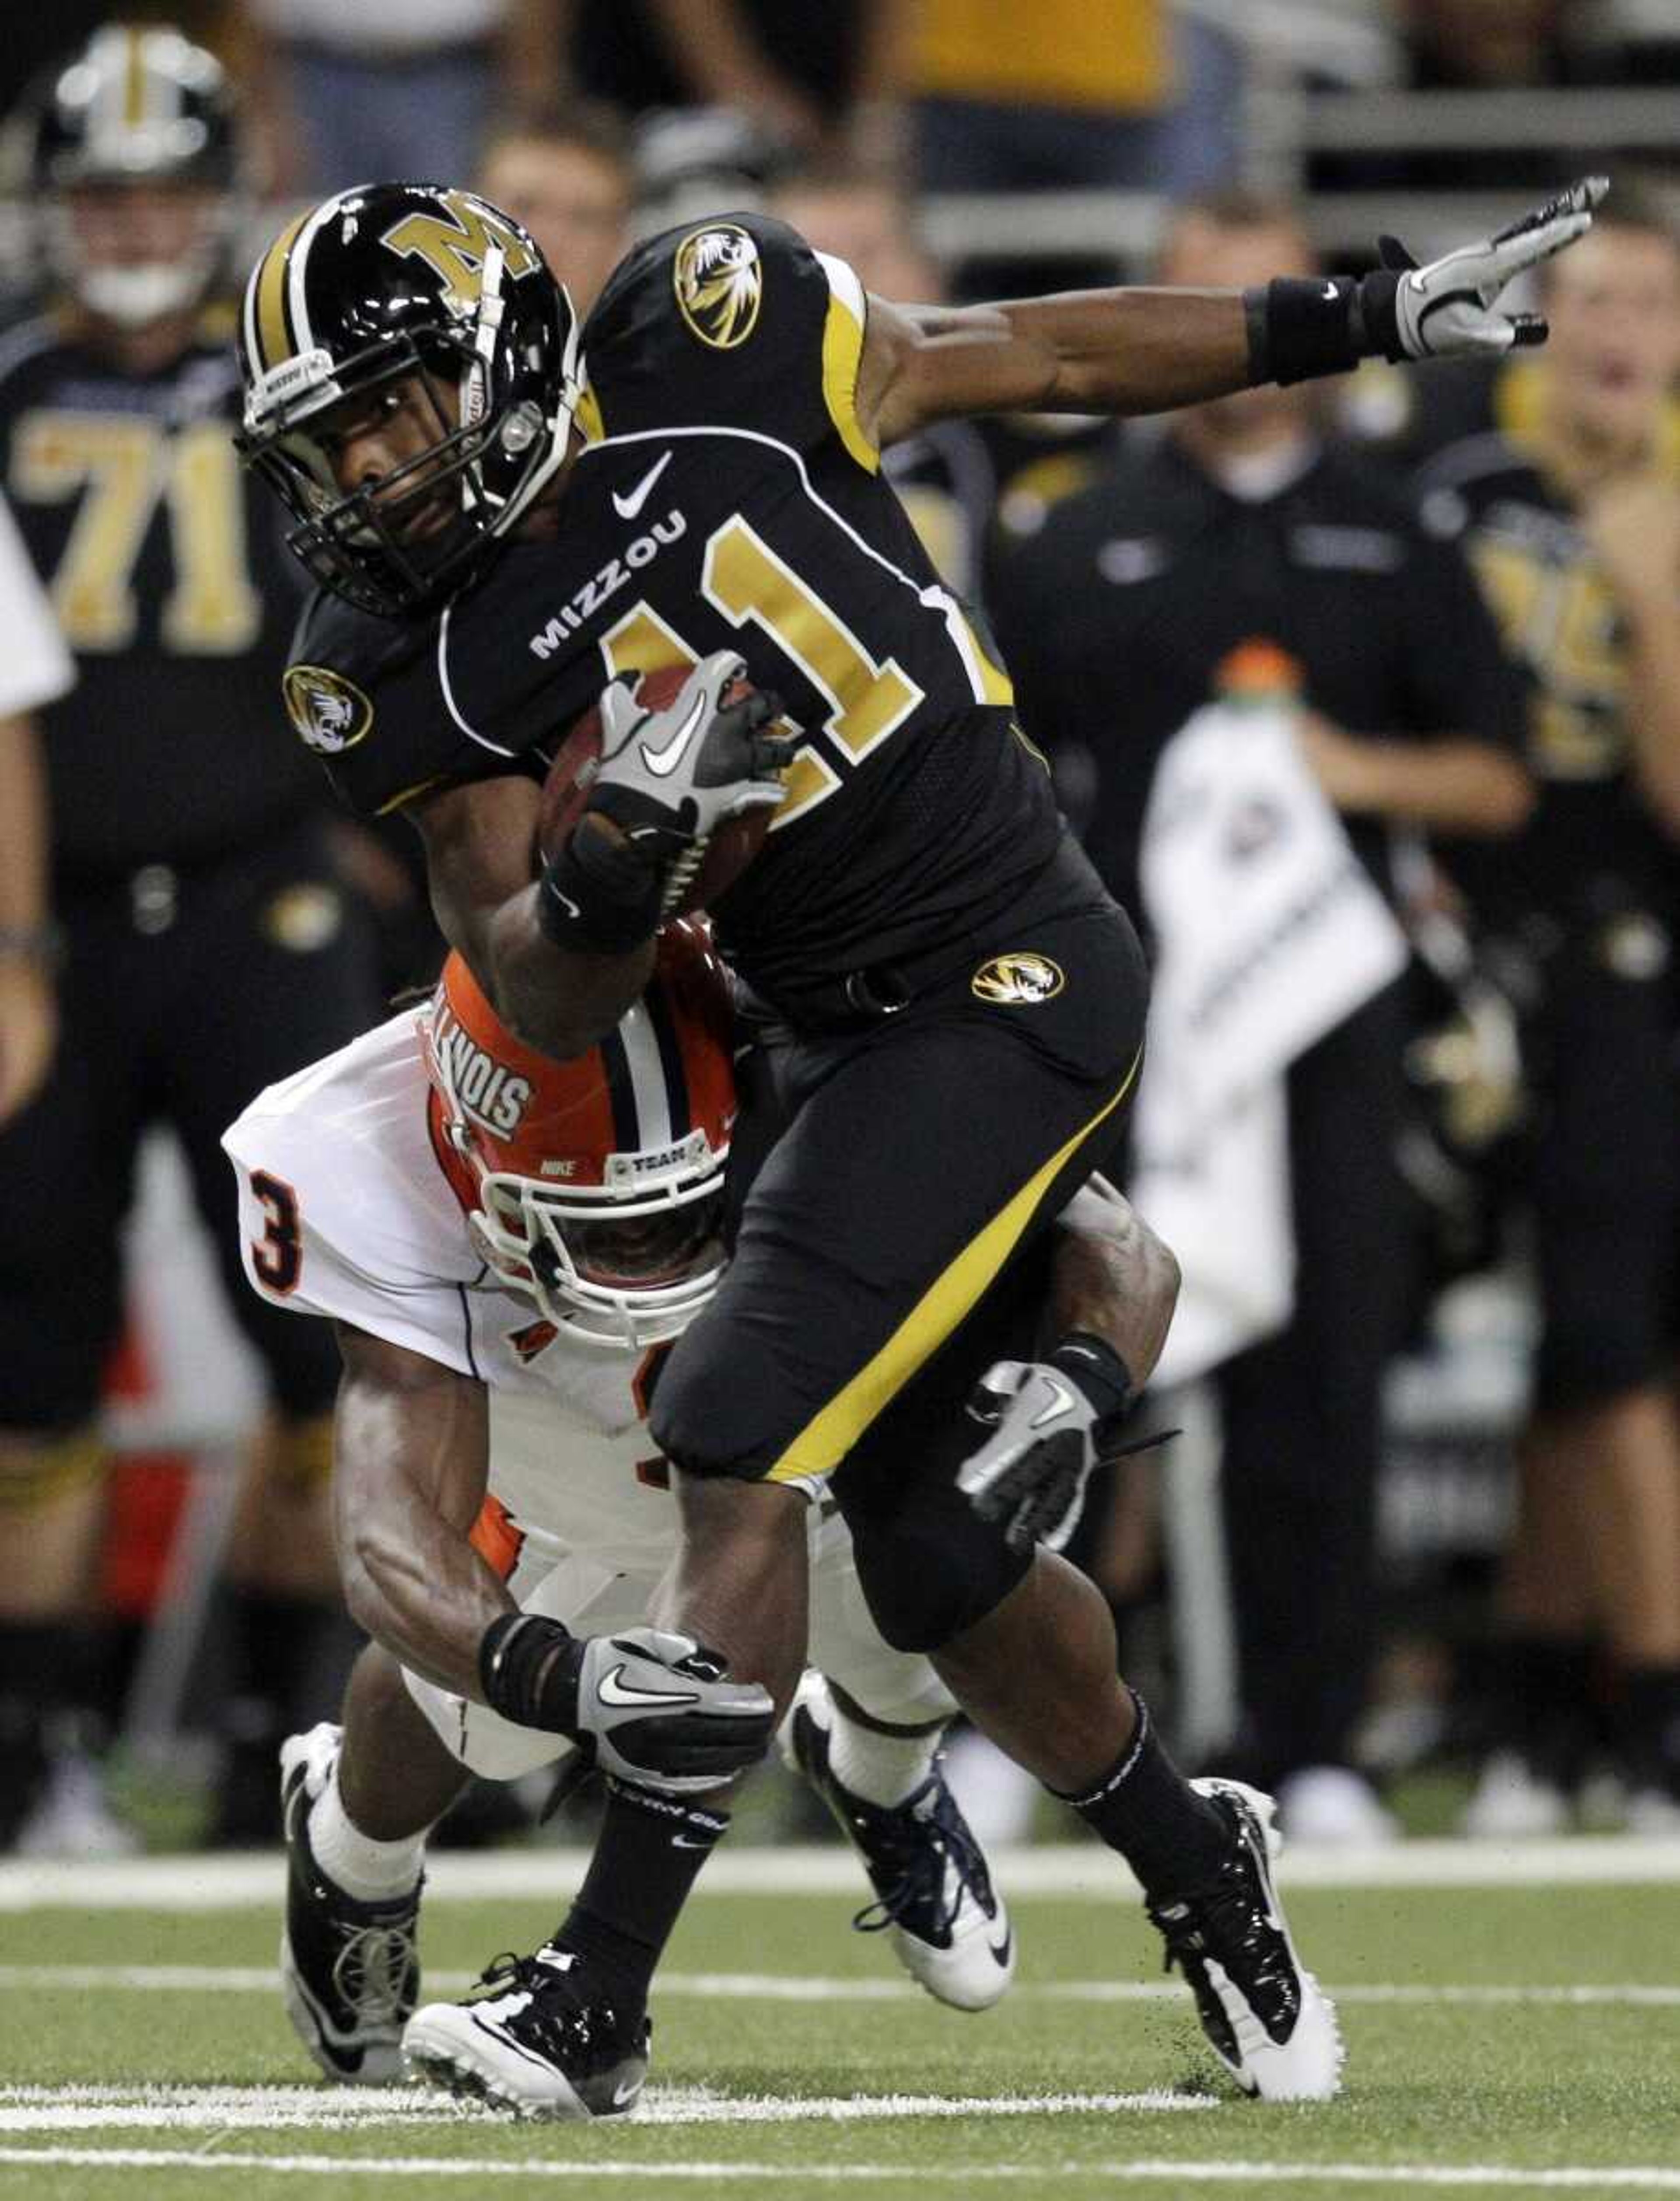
column 279, row 2109
column 780, row 1987
column 1081, row 1870
column 1472, row 2176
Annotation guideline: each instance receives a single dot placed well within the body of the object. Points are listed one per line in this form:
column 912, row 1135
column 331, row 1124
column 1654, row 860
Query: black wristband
column 598, row 893
column 1092, row 1362
column 528, row 1671
column 1298, row 330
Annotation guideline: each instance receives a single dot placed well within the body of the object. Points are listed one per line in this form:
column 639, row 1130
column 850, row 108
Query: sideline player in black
column 1571, row 519
column 208, row 946
column 954, row 1005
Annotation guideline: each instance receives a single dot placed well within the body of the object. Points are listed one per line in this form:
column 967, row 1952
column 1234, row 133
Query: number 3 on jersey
column 276, row 1256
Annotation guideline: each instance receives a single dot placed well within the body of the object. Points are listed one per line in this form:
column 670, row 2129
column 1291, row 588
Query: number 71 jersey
column 172, row 586
column 727, row 496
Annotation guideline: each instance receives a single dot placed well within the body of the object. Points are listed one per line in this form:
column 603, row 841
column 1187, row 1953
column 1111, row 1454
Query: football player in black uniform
column 209, row 945
column 1571, row 519
column 951, row 1007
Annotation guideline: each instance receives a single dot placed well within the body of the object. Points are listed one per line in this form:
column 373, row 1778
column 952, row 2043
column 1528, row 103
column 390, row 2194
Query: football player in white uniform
column 506, row 1243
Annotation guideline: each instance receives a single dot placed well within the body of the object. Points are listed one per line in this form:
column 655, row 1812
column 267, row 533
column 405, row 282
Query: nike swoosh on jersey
column 628, row 507
column 663, row 762
column 613, row 1689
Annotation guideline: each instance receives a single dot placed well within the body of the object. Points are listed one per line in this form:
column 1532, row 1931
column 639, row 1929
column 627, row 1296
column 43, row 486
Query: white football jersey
column 345, row 1211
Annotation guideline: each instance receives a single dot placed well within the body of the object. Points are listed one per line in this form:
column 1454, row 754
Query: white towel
column 1269, row 933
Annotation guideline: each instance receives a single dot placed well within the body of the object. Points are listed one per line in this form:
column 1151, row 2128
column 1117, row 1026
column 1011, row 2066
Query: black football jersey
column 726, row 497
column 1561, row 626
column 171, row 581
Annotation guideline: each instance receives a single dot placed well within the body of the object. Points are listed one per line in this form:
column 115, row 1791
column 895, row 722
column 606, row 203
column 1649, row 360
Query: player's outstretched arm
column 1049, row 1422
column 1142, row 350
column 411, row 1464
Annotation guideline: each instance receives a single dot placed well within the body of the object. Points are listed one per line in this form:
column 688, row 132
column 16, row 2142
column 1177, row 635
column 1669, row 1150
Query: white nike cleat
column 933, row 1892
column 538, row 2043
column 1267, row 2019
column 1513, row 1801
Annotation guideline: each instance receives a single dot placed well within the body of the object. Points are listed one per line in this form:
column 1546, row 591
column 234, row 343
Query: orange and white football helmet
column 594, row 1186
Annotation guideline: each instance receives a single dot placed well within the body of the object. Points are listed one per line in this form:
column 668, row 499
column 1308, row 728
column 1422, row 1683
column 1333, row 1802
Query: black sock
column 1545, row 1707
column 1171, row 1838
column 647, row 1856
column 36, row 1657
column 1650, row 1724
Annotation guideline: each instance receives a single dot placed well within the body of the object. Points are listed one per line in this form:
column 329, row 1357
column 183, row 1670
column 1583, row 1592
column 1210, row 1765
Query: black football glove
column 669, row 779
column 649, row 1705
column 1046, row 1436
column 1445, row 310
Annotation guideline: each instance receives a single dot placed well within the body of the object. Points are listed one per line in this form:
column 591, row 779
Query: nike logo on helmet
column 628, row 507
column 663, row 762
column 614, row 1689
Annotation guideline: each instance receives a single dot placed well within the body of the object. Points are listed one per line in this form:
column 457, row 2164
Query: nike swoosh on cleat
column 628, row 506
column 613, row 1690
column 663, row 762
column 1001, row 1950
column 626, row 2092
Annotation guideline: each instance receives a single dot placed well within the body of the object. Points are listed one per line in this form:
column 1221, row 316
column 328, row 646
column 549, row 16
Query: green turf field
column 1516, row 2038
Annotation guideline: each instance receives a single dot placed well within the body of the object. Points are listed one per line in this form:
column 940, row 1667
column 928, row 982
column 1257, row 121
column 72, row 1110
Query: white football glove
column 669, row 779
column 654, row 1708
column 1445, row 310
column 1030, row 1475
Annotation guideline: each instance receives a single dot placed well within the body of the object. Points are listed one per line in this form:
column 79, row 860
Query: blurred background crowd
column 1364, row 697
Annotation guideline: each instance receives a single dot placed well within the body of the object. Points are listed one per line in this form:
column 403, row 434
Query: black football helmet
column 138, row 104
column 407, row 282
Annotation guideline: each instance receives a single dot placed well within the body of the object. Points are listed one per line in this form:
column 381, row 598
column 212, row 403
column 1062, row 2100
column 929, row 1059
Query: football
column 570, row 780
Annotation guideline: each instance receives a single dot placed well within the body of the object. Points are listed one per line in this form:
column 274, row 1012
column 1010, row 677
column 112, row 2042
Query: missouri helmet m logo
column 1024, row 976
column 454, row 249
column 330, row 713
column 718, row 282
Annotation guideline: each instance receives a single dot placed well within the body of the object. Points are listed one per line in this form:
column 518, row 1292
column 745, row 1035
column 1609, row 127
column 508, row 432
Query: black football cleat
column 536, row 2042
column 933, row 1892
column 349, row 1970
column 1268, row 2021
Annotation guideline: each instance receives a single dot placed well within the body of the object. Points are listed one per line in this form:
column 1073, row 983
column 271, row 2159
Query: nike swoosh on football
column 663, row 762
column 612, row 1689
column 629, row 507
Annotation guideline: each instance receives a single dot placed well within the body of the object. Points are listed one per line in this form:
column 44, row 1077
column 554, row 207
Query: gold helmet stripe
column 134, row 80
column 270, row 322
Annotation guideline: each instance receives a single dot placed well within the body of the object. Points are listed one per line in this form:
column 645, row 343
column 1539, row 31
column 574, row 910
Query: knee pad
column 38, row 1469
column 931, row 1569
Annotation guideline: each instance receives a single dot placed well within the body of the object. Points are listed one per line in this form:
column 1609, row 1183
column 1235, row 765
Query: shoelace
column 939, row 1842
column 371, row 1969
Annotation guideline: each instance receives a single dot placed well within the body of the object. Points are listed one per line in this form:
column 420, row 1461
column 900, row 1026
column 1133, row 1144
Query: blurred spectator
column 37, row 670
column 1069, row 93
column 808, row 77
column 1571, row 519
column 567, row 176
column 1240, row 525
column 209, row 946
column 344, row 95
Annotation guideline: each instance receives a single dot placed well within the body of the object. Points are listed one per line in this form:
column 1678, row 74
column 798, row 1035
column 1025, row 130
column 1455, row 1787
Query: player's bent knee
column 713, row 1414
column 924, row 1585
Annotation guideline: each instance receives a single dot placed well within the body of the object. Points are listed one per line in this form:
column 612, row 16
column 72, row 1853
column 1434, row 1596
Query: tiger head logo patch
column 718, row 282
column 330, row 713
column 1024, row 976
